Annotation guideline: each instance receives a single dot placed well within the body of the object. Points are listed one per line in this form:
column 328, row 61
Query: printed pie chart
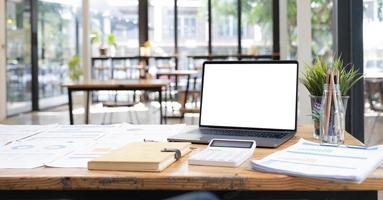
column 54, row 147
column 22, row 147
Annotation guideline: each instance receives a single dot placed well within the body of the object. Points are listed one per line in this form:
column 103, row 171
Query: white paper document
column 72, row 134
column 46, row 144
column 31, row 154
column 80, row 157
column 74, row 146
column 11, row 133
column 309, row 159
column 158, row 133
column 117, row 138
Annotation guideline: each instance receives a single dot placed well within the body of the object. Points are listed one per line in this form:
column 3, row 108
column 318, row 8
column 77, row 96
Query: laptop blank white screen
column 261, row 95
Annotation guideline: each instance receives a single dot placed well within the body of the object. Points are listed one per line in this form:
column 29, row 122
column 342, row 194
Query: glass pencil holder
column 332, row 116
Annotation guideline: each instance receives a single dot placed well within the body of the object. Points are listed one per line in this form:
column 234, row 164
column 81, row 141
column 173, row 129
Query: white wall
column 304, row 55
column 3, row 96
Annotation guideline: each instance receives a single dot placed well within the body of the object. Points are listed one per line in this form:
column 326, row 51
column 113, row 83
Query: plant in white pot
column 314, row 78
column 111, row 41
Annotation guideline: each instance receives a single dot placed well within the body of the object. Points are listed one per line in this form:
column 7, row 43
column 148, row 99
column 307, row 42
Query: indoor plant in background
column 314, row 78
column 75, row 70
column 145, row 48
column 111, row 40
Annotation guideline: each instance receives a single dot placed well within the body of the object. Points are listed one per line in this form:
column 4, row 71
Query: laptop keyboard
column 265, row 134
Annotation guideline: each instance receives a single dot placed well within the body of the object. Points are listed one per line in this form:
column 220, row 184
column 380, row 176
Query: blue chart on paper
column 23, row 147
column 54, row 147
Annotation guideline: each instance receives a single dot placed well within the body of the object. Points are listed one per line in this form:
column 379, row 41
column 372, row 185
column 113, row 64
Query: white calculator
column 223, row 152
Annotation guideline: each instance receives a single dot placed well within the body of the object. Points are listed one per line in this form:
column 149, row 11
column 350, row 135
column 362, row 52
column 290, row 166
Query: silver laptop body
column 247, row 100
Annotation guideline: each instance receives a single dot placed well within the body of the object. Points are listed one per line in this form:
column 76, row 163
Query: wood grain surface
column 181, row 176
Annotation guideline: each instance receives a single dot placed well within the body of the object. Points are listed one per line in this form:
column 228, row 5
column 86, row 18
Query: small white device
column 224, row 152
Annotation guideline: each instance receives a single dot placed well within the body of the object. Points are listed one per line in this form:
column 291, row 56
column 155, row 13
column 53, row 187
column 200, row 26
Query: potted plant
column 314, row 78
column 75, row 71
column 111, row 41
column 145, row 49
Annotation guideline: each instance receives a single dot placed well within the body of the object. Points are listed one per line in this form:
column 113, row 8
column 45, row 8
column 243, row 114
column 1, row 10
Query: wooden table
column 147, row 85
column 181, row 177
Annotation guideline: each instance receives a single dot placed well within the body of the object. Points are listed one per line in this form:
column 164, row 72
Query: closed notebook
column 140, row 156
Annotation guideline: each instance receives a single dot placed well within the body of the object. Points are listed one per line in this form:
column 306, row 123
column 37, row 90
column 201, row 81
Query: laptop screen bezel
column 251, row 62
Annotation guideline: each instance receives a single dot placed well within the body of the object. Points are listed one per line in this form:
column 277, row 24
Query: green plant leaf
column 95, row 37
column 111, row 39
column 75, row 71
column 314, row 75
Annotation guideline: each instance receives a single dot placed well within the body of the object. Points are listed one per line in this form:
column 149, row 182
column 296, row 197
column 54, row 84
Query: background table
column 147, row 85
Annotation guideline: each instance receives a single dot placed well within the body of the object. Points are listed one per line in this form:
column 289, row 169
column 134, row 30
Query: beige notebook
column 140, row 156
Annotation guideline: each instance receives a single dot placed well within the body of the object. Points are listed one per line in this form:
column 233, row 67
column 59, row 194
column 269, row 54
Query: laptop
column 247, row 100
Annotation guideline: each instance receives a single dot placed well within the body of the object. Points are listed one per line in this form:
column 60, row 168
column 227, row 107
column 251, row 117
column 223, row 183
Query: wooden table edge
column 185, row 183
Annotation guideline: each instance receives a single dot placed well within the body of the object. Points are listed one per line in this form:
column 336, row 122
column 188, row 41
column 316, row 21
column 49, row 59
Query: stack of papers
column 42, row 145
column 115, row 138
column 34, row 146
column 309, row 159
column 13, row 133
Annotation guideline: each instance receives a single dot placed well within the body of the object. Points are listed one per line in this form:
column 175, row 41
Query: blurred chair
column 165, row 63
column 130, row 70
column 374, row 93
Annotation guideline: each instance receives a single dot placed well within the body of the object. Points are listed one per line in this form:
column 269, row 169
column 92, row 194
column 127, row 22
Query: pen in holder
column 332, row 112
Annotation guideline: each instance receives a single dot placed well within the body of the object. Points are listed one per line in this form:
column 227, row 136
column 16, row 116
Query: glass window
column 18, row 67
column 373, row 69
column 322, row 29
column 58, row 35
column 224, row 27
column 192, row 31
column 373, row 42
column 114, row 32
column 257, row 26
column 292, row 29
column 116, row 19
column 161, row 26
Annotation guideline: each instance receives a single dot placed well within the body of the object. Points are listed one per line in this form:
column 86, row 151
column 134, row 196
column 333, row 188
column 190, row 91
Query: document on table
column 73, row 134
column 29, row 154
column 309, row 159
column 11, row 133
column 80, row 157
column 158, row 133
column 74, row 146
column 121, row 136
column 50, row 144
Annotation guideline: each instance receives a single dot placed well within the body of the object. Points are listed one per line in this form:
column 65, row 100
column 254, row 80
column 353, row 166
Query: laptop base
column 196, row 137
